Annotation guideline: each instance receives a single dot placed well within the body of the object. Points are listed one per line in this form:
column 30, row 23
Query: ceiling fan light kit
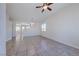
column 45, row 6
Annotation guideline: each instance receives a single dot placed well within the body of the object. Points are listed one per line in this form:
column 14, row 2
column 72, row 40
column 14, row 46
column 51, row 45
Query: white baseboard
column 60, row 42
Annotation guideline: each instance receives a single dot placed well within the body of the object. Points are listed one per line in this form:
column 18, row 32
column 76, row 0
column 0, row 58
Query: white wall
column 2, row 29
column 33, row 31
column 9, row 27
column 63, row 26
column 13, row 28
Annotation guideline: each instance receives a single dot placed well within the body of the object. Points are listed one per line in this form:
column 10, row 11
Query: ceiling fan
column 45, row 6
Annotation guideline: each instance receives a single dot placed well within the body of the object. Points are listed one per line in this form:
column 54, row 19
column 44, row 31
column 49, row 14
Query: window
column 28, row 26
column 43, row 27
column 18, row 27
column 24, row 26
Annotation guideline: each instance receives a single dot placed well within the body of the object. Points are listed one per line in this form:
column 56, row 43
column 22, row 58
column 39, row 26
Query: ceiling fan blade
column 49, row 9
column 42, row 10
column 49, row 3
column 38, row 6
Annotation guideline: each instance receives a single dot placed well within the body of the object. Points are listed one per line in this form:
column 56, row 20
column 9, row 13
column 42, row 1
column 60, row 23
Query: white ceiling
column 26, row 12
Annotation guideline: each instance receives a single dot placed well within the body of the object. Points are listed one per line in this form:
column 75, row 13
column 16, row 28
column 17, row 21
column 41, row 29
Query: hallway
column 39, row 46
